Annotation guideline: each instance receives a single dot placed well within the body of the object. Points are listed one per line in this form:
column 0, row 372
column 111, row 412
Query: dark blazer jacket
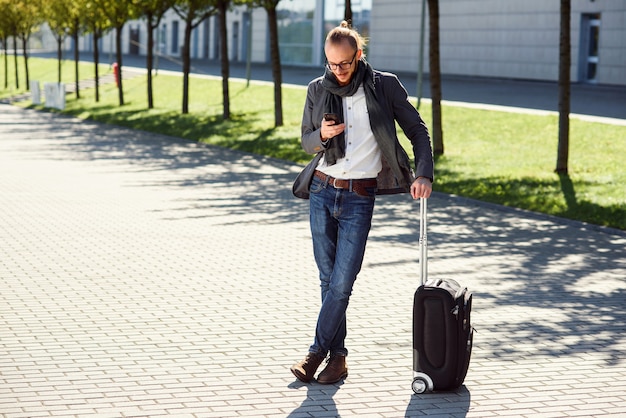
column 396, row 175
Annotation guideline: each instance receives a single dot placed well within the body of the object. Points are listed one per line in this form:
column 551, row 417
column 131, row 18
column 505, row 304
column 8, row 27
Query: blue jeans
column 340, row 223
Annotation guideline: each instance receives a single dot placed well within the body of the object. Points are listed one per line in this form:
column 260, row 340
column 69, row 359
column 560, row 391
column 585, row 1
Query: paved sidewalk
column 144, row 275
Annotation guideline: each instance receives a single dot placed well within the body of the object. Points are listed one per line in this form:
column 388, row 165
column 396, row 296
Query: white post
column 35, row 94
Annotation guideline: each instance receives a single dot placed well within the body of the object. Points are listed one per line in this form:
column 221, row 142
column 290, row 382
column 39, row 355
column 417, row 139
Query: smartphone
column 332, row 116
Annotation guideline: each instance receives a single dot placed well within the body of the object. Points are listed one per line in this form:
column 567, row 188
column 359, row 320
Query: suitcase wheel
column 421, row 383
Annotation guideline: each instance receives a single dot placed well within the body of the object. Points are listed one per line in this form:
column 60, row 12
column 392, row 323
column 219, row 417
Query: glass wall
column 334, row 13
column 295, row 31
column 297, row 23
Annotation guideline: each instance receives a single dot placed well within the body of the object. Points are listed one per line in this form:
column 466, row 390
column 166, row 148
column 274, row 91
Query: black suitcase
column 442, row 332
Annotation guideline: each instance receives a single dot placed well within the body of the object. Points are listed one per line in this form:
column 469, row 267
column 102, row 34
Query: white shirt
column 363, row 156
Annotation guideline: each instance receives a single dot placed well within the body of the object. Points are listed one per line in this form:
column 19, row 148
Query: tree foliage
column 18, row 19
column 7, row 30
column 28, row 18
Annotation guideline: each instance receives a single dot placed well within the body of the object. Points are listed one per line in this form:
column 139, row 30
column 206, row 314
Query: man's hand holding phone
column 331, row 126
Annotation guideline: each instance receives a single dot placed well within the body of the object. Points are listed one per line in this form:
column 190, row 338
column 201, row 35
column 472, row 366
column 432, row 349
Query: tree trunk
column 276, row 69
column 59, row 58
column 186, row 64
column 150, row 57
column 76, row 59
column 118, row 53
column 6, row 63
column 435, row 77
column 96, row 58
column 347, row 11
column 17, row 76
column 25, row 52
column 565, row 60
column 222, row 6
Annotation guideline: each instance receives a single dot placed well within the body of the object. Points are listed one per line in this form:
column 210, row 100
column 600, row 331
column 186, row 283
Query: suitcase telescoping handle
column 423, row 243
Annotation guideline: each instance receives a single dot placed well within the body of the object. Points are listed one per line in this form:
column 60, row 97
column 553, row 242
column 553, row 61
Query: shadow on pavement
column 318, row 402
column 452, row 404
column 541, row 263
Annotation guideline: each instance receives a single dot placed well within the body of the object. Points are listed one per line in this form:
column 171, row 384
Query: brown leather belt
column 356, row 185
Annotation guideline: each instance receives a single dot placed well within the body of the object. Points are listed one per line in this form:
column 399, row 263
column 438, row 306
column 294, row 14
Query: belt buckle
column 335, row 183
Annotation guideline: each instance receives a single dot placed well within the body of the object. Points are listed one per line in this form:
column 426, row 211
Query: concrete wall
column 495, row 38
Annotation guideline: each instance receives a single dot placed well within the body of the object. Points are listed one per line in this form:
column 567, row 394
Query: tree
column 94, row 24
column 63, row 17
column 565, row 60
column 117, row 14
column 193, row 12
column 5, row 22
column 28, row 16
column 55, row 16
column 9, row 20
column 75, row 25
column 17, row 76
column 153, row 11
column 3, row 39
column 222, row 6
column 435, row 76
column 270, row 7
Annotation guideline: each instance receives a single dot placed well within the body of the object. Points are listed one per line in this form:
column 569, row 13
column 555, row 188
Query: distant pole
column 420, row 70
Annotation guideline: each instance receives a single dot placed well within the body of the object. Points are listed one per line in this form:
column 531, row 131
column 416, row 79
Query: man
column 362, row 157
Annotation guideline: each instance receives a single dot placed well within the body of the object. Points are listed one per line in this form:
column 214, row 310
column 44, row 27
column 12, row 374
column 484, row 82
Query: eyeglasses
column 341, row 66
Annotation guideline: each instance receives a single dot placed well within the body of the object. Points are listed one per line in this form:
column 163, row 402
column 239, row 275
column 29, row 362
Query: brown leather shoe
column 305, row 370
column 334, row 371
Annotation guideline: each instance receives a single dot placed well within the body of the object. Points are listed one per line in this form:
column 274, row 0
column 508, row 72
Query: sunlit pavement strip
column 144, row 275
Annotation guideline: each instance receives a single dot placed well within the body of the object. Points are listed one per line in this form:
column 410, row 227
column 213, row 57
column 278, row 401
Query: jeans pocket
column 317, row 185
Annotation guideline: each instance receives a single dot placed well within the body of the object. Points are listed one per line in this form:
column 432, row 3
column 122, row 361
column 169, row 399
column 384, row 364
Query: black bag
column 302, row 183
column 442, row 331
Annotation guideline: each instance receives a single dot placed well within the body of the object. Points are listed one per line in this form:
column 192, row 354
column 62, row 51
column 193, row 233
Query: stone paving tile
column 145, row 275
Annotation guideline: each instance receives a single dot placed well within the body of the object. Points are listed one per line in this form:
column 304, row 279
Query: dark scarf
column 379, row 121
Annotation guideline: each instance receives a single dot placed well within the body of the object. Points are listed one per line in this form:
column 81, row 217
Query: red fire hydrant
column 116, row 73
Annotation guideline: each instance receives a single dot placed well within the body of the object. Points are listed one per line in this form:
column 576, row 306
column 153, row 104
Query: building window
column 589, row 47
column 162, row 39
column 175, row 37
column 295, row 31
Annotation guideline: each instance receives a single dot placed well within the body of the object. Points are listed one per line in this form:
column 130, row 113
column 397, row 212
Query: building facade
column 482, row 38
column 494, row 38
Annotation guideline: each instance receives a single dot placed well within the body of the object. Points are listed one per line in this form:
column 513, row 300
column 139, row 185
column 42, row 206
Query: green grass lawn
column 42, row 70
column 500, row 157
